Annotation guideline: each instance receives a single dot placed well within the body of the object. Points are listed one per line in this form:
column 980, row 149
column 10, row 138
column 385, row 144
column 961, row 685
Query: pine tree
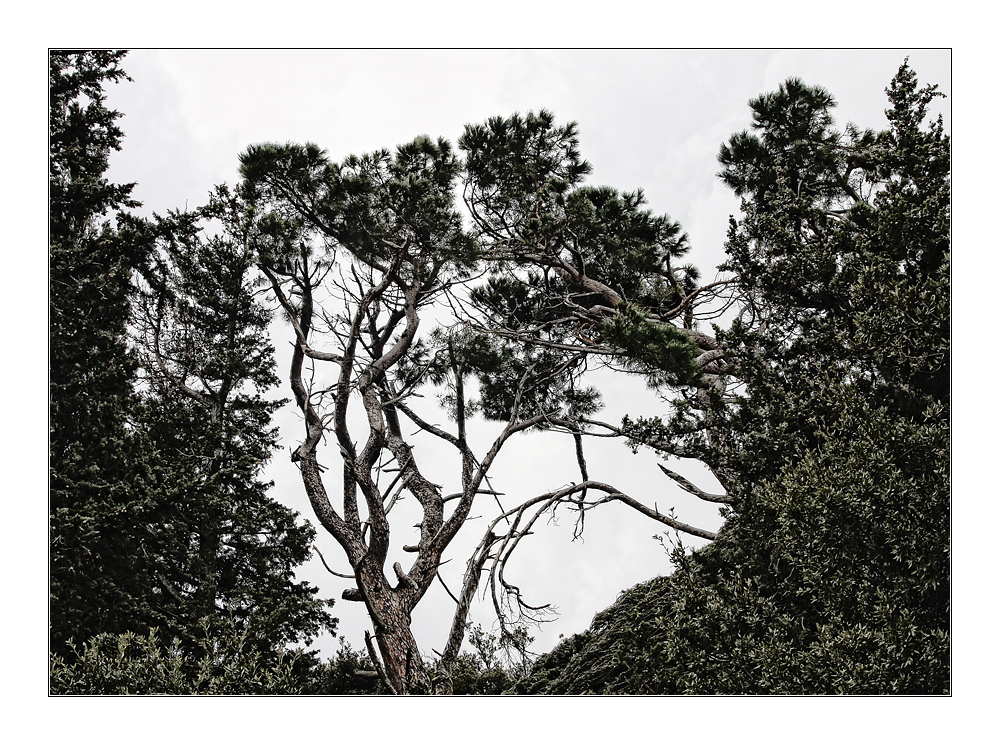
column 358, row 255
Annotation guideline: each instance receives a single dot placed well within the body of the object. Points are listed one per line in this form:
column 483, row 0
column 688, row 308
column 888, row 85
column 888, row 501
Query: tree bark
column 404, row 667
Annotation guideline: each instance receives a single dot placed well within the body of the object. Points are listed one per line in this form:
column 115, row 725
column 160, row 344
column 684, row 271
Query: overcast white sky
column 647, row 119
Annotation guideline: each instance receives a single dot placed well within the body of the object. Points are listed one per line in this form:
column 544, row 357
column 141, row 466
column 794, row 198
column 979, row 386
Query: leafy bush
column 834, row 580
column 129, row 664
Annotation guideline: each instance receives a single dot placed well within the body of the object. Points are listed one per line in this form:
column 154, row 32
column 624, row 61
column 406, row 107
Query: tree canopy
column 832, row 573
column 486, row 280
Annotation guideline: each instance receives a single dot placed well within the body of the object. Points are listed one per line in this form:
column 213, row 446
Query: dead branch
column 327, row 566
column 692, row 489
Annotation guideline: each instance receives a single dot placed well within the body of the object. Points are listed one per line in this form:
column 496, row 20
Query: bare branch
column 335, row 574
column 470, row 583
column 427, row 426
column 692, row 489
column 447, row 589
column 613, row 495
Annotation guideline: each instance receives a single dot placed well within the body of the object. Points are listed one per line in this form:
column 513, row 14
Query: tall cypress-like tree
column 95, row 501
column 220, row 547
column 159, row 517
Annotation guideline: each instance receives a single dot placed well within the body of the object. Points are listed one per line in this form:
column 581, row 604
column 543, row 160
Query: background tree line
column 821, row 407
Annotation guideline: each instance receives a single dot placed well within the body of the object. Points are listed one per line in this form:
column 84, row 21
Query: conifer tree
column 220, row 547
column 160, row 421
column 360, row 254
column 832, row 572
column 97, row 498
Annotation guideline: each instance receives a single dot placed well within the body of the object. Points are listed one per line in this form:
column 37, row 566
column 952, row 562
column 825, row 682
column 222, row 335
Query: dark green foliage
column 564, row 255
column 498, row 662
column 491, row 670
column 659, row 350
column 221, row 660
column 502, row 367
column 226, row 660
column 628, row 248
column 834, row 580
column 82, row 134
column 793, row 146
column 219, row 546
column 348, row 673
column 520, row 168
column 832, row 572
column 856, row 295
column 471, row 677
column 159, row 518
column 97, row 497
column 359, row 204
